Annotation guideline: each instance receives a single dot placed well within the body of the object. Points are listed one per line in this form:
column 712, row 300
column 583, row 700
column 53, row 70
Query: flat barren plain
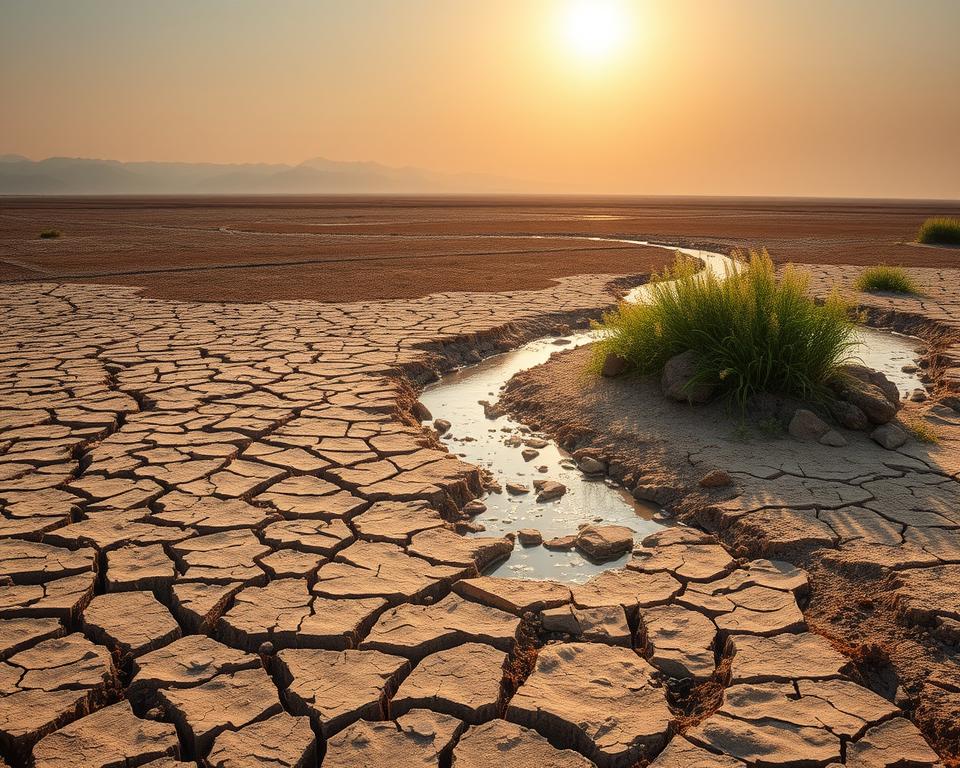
column 348, row 249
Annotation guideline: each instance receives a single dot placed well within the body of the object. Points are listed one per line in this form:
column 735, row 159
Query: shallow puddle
column 497, row 444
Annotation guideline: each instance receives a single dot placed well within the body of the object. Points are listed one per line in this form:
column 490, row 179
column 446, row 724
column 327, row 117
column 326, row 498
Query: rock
column 806, row 425
column 415, row 631
column 561, row 543
column 420, row 411
column 338, row 687
column 184, row 663
column 110, row 737
column 592, row 466
column 877, row 379
column 848, row 414
column 889, row 436
column 513, row 746
column 599, row 699
column 463, row 681
column 678, row 641
column 231, row 701
column 529, row 454
column 474, row 507
column 129, row 622
column 550, row 490
column 282, row 741
column 442, row 426
column 517, row 489
column 512, row 595
column 833, row 439
column 677, row 380
column 918, row 395
column 716, row 478
column 419, row 739
column 871, row 400
column 604, row 542
column 783, row 658
column 529, row 537
column 614, row 365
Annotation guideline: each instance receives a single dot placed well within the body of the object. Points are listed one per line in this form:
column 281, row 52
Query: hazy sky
column 793, row 97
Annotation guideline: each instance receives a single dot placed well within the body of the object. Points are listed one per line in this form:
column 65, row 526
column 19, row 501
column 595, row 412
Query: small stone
column 604, row 542
column 806, row 425
column 848, row 414
column 421, row 412
column 918, row 395
column 442, row 426
column 474, row 507
column 550, row 490
column 889, row 436
column 529, row 537
column 591, row 466
column 716, row 478
column 517, row 489
column 561, row 543
column 833, row 438
column 529, row 454
column 677, row 380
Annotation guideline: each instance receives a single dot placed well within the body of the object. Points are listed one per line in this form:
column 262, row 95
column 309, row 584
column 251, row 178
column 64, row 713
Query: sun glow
column 594, row 30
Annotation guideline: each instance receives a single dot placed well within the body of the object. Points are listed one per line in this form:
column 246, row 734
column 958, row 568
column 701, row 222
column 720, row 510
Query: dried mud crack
column 226, row 538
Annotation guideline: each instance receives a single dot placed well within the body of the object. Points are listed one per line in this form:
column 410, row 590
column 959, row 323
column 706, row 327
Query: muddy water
column 497, row 445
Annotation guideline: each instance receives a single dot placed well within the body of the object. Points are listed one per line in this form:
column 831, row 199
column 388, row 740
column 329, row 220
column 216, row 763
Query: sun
column 594, row 30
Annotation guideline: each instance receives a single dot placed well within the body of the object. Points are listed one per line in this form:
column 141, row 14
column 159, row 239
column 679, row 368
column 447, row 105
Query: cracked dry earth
column 225, row 541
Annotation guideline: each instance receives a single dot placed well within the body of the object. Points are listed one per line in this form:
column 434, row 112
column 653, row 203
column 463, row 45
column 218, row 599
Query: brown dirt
column 345, row 249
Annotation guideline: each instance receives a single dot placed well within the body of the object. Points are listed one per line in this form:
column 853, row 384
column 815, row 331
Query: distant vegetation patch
column 50, row 234
column 752, row 330
column 884, row 278
column 940, row 231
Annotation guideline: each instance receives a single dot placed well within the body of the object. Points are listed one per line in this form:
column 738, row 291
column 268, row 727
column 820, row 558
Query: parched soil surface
column 351, row 249
column 226, row 538
column 877, row 530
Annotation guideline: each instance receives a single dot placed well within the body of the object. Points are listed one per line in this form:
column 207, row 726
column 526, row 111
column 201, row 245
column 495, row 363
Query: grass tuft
column 753, row 332
column 923, row 431
column 940, row 231
column 49, row 234
column 884, row 278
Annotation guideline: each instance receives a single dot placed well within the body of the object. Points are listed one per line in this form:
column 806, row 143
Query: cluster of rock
column 863, row 399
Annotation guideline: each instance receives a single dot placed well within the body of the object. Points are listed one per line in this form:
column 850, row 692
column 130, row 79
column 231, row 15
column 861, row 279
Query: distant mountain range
column 79, row 176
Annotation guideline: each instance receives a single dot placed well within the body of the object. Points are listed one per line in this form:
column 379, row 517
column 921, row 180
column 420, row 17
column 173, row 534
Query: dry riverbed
column 224, row 534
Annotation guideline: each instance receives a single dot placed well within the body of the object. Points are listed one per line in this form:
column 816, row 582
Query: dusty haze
column 752, row 97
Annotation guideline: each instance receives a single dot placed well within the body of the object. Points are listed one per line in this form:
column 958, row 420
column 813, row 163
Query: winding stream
column 496, row 444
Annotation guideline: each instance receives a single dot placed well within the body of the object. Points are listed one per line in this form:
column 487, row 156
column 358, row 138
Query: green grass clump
column 884, row 278
column 940, row 231
column 753, row 332
column 49, row 234
column 923, row 431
